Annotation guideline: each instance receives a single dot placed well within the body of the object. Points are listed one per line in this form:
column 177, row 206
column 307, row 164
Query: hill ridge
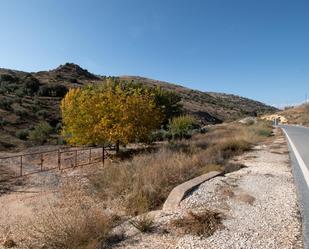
column 21, row 106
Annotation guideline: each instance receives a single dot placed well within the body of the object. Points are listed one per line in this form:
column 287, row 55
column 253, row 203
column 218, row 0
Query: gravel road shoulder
column 258, row 202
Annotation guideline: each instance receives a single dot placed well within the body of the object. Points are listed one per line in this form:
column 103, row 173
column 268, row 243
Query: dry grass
column 142, row 183
column 76, row 222
column 297, row 115
column 200, row 224
column 136, row 186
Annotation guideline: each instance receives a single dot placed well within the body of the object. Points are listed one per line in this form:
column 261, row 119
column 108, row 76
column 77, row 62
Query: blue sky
column 254, row 48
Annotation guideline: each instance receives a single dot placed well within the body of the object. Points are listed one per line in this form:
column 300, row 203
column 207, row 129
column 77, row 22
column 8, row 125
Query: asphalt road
column 298, row 138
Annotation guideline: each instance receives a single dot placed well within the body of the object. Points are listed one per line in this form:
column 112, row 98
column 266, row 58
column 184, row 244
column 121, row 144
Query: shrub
column 305, row 118
column 58, row 127
column 42, row 114
column 53, row 91
column 180, row 127
column 22, row 112
column 31, row 84
column 200, row 224
column 41, row 132
column 6, row 104
column 76, row 223
column 20, row 93
column 233, row 147
column 61, row 141
column 144, row 223
column 158, row 135
column 261, row 129
column 3, row 122
column 22, row 134
column 7, row 78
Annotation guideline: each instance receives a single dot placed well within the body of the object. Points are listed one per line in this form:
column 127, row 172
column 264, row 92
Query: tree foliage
column 110, row 113
column 168, row 102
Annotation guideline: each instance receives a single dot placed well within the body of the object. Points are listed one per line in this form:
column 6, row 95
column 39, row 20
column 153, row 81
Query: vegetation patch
column 77, row 222
column 203, row 223
column 139, row 185
column 144, row 223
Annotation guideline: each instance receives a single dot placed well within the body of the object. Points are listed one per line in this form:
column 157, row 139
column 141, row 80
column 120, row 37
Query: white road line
column 300, row 161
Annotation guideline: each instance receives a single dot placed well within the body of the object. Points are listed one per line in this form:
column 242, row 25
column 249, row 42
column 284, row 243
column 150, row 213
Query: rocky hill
column 28, row 98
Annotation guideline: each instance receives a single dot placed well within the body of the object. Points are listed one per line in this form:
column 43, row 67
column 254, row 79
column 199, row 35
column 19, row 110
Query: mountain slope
column 28, row 98
column 210, row 107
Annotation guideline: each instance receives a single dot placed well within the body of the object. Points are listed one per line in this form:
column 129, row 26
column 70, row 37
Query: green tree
column 168, row 102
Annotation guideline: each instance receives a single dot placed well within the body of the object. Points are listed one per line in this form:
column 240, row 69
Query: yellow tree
column 111, row 113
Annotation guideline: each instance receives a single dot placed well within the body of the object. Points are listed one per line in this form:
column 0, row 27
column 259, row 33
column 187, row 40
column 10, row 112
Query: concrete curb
column 179, row 192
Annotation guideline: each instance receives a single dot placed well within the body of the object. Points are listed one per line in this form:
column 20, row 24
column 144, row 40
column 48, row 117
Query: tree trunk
column 117, row 147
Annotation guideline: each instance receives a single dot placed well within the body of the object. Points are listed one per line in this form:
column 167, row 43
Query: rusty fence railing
column 31, row 163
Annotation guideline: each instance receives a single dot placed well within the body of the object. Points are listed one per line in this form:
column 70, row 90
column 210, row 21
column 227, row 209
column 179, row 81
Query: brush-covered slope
column 210, row 107
column 297, row 115
column 28, row 98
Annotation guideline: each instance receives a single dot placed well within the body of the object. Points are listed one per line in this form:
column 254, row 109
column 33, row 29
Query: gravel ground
column 262, row 200
column 258, row 202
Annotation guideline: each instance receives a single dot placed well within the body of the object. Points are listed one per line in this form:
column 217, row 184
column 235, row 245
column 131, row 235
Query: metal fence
column 31, row 163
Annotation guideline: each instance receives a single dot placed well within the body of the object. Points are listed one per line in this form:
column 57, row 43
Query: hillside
column 210, row 107
column 28, row 98
column 297, row 115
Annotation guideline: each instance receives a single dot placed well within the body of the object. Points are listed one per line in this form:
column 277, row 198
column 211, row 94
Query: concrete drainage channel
column 179, row 192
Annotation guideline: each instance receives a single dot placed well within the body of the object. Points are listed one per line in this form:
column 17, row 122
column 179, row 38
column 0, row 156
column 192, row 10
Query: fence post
column 59, row 159
column 103, row 155
column 89, row 156
column 42, row 162
column 21, row 165
column 75, row 158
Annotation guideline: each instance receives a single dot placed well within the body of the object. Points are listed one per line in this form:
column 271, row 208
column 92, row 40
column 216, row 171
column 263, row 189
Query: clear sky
column 254, row 48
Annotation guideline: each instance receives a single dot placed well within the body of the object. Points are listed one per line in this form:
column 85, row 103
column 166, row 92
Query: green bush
column 20, row 111
column 58, row 127
column 61, row 141
column 22, row 134
column 20, row 93
column 262, row 129
column 6, row 104
column 41, row 132
column 3, row 122
column 182, row 126
column 7, row 78
column 31, row 84
column 42, row 114
column 53, row 90
column 158, row 135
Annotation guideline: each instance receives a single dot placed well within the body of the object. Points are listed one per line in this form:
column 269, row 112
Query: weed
column 144, row 223
column 76, row 222
column 200, row 224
